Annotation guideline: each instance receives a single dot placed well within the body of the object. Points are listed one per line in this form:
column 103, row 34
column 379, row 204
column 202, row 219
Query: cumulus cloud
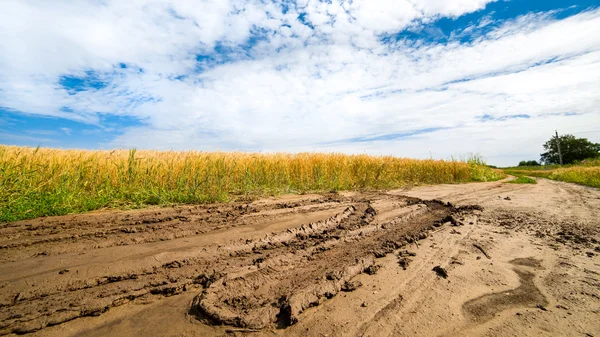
column 301, row 76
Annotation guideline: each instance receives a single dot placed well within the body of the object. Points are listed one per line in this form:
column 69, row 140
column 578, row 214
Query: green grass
column 42, row 182
column 585, row 173
column 522, row 180
column 539, row 174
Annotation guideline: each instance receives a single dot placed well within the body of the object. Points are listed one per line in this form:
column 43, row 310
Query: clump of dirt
column 403, row 258
column 441, row 272
column 372, row 270
column 379, row 253
column 351, row 286
column 404, row 262
column 405, row 252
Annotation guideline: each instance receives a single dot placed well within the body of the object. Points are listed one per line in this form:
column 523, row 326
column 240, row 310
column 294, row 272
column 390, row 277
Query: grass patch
column 522, row 180
column 585, row 173
column 40, row 182
column 539, row 174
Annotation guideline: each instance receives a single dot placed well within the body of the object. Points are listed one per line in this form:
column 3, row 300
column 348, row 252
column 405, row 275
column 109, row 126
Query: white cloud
column 302, row 89
column 450, row 8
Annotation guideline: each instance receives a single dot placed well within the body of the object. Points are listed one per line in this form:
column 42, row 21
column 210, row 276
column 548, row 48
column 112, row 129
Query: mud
column 326, row 256
column 251, row 282
column 351, row 264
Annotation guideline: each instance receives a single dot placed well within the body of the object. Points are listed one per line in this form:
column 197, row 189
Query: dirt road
column 486, row 259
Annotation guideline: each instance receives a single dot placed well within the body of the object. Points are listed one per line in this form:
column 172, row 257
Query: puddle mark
column 485, row 307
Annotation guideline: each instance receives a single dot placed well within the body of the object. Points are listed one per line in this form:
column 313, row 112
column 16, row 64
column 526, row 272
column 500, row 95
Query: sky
column 411, row 78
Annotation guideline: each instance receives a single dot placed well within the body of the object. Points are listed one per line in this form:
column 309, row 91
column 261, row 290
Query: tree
column 573, row 149
column 529, row 163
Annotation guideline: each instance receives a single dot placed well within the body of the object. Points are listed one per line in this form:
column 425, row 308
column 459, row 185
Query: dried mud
column 357, row 264
column 248, row 283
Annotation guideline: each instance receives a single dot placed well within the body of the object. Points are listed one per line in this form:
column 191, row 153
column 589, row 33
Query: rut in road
column 303, row 267
column 246, row 282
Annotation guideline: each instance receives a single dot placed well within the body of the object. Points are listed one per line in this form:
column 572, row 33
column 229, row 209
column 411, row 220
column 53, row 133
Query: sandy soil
column 486, row 259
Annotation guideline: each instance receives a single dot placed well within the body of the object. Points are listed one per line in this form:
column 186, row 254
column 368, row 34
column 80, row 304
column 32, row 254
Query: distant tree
column 573, row 149
column 529, row 163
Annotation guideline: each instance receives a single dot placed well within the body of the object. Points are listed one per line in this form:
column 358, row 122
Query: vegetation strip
column 41, row 182
column 584, row 173
column 522, row 180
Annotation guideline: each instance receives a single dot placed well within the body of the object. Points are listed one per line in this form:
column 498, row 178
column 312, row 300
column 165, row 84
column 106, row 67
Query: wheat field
column 42, row 181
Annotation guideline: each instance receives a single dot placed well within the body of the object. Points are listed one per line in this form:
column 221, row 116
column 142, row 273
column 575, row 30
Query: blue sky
column 419, row 78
